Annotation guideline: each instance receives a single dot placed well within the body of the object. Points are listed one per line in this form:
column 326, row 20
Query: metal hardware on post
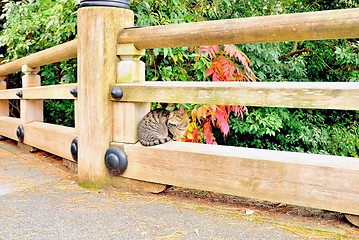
column 20, row 133
column 74, row 92
column 117, row 93
column 116, row 160
column 110, row 3
column 19, row 94
column 74, row 148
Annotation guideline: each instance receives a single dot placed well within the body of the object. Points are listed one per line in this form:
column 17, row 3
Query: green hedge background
column 32, row 25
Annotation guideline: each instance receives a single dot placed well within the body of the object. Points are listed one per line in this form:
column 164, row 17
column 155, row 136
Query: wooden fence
column 108, row 52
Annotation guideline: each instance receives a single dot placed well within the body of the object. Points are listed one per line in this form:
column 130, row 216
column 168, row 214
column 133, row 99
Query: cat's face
column 178, row 117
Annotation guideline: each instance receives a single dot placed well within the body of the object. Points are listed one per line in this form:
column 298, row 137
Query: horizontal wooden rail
column 288, row 27
column 8, row 127
column 319, row 181
column 54, row 54
column 60, row 91
column 48, row 137
column 328, row 95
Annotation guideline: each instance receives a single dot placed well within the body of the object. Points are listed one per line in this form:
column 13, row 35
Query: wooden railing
column 320, row 181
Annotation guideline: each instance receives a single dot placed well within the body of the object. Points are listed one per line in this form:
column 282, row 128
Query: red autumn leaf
column 207, row 133
column 210, row 51
column 195, row 134
column 220, row 119
column 209, row 72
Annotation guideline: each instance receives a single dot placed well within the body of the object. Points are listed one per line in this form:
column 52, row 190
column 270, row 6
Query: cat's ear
column 181, row 109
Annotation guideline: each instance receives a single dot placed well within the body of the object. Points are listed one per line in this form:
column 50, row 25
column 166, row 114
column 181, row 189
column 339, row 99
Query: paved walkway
column 40, row 200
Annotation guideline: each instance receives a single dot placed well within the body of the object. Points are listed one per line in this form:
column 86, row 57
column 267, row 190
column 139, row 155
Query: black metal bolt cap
column 117, row 93
column 104, row 3
column 19, row 94
column 116, row 160
column 74, row 92
column 74, row 148
column 20, row 133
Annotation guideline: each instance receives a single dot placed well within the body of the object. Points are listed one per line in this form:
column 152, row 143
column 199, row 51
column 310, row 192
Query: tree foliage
column 32, row 25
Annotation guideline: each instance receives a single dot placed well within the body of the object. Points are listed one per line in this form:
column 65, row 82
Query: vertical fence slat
column 31, row 110
column 4, row 104
column 126, row 114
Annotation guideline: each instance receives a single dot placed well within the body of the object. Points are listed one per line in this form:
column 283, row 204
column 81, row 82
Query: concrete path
column 39, row 199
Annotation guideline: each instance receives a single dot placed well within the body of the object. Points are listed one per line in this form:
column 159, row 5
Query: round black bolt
column 117, row 93
column 74, row 148
column 105, row 3
column 20, row 133
column 74, row 92
column 116, row 160
column 19, row 94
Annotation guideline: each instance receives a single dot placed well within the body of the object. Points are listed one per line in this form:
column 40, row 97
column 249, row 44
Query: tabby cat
column 160, row 126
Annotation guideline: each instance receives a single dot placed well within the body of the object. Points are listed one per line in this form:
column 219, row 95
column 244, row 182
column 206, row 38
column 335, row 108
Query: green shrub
column 33, row 25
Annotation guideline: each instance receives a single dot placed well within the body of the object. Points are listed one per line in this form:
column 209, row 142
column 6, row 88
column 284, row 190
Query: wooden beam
column 59, row 91
column 318, row 181
column 287, row 27
column 9, row 93
column 54, row 54
column 51, row 138
column 8, row 127
column 323, row 95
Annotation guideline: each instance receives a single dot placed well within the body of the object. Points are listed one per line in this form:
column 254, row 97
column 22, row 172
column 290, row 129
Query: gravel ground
column 40, row 200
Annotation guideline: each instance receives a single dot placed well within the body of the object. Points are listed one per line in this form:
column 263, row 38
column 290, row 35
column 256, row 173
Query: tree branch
column 293, row 53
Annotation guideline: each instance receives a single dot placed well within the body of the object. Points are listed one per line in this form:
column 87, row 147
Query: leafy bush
column 299, row 130
column 33, row 25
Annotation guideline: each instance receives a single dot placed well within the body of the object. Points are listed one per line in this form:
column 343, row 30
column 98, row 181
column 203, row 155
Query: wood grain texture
column 287, row 27
column 319, row 181
column 338, row 95
column 59, row 91
column 9, row 93
column 48, row 137
column 353, row 219
column 136, row 185
column 8, row 127
column 51, row 138
column 4, row 104
column 126, row 115
column 31, row 110
column 98, row 28
column 58, row 53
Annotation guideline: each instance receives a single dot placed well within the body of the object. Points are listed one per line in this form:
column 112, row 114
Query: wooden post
column 31, row 110
column 98, row 29
column 4, row 104
column 127, row 115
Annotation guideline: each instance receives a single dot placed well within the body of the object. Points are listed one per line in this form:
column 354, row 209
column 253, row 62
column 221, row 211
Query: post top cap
column 105, row 3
